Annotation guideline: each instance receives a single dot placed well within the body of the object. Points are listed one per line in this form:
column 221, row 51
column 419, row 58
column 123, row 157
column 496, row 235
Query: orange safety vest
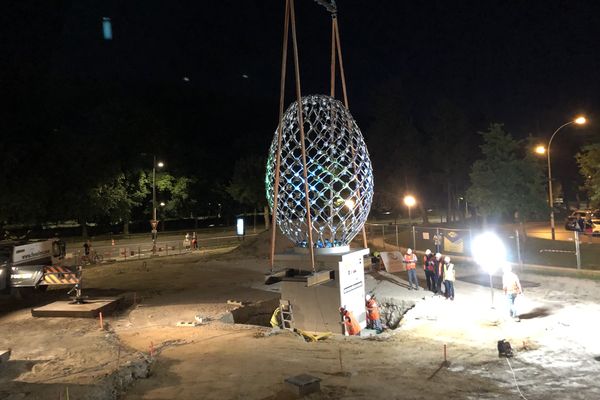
column 351, row 324
column 411, row 261
column 372, row 310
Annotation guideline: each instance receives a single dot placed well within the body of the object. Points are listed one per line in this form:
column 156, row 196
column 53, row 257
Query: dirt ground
column 142, row 354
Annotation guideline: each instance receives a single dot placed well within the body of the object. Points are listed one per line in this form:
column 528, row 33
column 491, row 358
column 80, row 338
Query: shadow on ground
column 538, row 312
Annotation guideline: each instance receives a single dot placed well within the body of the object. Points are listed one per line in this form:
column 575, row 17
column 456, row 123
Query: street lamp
column 578, row 121
column 409, row 201
column 540, row 149
column 489, row 252
column 154, row 222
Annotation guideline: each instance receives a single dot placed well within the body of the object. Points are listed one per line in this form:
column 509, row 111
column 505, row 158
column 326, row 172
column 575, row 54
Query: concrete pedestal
column 89, row 309
column 339, row 281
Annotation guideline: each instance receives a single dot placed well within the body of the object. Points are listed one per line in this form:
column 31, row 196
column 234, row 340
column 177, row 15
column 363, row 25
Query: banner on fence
column 392, row 261
column 454, row 242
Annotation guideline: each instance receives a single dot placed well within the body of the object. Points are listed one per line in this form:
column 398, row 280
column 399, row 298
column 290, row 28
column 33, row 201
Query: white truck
column 34, row 265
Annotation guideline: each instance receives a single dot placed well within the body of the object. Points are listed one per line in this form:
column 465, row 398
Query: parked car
column 591, row 218
column 571, row 222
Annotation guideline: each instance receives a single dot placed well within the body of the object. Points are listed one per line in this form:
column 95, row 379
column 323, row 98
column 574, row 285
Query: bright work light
column 489, row 252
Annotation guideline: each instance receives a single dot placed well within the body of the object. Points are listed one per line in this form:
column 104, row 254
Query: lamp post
column 154, row 222
column 578, row 121
column 409, row 201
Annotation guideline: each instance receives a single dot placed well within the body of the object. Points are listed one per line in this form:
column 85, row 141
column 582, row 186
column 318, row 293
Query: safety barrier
column 575, row 252
column 131, row 251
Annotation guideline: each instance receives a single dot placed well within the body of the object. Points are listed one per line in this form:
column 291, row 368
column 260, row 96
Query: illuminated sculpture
column 339, row 174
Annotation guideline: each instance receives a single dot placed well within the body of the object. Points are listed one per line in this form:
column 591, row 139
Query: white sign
column 240, row 226
column 352, row 288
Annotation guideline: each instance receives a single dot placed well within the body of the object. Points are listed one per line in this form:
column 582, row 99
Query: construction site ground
column 142, row 353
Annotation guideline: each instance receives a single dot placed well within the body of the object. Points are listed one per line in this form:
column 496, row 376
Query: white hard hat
column 447, row 259
column 368, row 297
column 438, row 255
column 427, row 252
column 408, row 251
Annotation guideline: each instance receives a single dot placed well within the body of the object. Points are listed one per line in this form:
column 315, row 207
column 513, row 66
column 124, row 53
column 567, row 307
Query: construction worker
column 449, row 278
column 429, row 268
column 410, row 260
column 437, row 241
column 512, row 288
column 87, row 248
column 186, row 241
column 439, row 272
column 373, row 316
column 351, row 325
column 376, row 261
column 194, row 241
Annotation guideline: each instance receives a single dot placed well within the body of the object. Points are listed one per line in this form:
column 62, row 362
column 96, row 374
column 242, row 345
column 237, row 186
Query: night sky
column 211, row 69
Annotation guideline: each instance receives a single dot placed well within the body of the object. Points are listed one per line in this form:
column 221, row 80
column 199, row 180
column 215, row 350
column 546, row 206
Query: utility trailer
column 26, row 265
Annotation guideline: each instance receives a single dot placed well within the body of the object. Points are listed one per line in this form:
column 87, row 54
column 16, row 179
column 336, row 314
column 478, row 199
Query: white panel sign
column 352, row 288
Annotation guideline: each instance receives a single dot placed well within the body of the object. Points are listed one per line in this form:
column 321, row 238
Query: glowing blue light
column 107, row 28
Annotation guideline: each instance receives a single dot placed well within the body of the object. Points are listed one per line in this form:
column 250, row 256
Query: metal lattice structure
column 339, row 173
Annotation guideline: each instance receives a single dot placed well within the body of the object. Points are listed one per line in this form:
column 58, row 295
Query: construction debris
column 313, row 336
column 188, row 324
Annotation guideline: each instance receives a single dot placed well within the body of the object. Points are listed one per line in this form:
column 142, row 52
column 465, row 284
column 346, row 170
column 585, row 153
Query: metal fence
column 133, row 251
column 578, row 251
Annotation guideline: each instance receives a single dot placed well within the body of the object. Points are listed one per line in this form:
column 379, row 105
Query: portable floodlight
column 489, row 252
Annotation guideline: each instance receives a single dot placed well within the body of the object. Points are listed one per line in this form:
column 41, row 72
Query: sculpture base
column 339, row 281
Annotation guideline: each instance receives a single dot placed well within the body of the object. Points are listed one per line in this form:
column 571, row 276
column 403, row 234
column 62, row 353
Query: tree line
column 84, row 152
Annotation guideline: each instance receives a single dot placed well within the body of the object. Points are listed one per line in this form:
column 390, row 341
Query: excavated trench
column 392, row 311
column 259, row 313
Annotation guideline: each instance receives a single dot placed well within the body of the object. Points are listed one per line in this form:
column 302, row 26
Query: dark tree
column 505, row 181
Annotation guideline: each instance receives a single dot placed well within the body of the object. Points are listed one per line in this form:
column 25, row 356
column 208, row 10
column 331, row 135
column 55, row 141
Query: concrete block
column 90, row 309
column 186, row 324
column 303, row 384
column 318, row 277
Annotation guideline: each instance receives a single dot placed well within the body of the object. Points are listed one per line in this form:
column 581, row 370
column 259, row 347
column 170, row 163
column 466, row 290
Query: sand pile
column 259, row 246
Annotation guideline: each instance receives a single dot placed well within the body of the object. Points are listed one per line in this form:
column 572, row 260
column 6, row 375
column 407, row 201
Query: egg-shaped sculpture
column 339, row 174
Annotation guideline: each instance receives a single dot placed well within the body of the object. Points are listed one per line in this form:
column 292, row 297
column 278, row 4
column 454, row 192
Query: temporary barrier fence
column 575, row 252
column 124, row 252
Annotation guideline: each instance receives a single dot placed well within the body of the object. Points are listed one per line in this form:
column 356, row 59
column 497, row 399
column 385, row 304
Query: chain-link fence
column 578, row 251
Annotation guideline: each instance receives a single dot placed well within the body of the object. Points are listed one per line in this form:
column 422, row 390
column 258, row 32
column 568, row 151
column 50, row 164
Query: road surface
column 542, row 230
